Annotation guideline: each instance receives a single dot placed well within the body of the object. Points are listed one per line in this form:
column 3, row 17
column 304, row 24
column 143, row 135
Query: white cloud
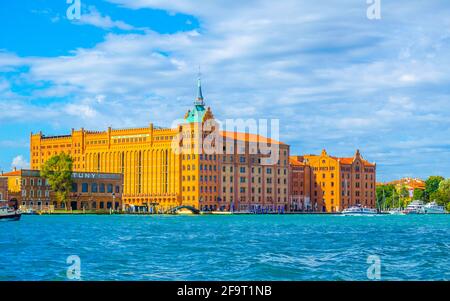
column 19, row 162
column 80, row 110
column 333, row 77
column 95, row 18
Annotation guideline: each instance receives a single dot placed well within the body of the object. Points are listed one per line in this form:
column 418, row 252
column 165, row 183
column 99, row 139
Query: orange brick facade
column 324, row 183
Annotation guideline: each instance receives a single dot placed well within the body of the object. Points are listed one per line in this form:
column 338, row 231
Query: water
column 245, row 247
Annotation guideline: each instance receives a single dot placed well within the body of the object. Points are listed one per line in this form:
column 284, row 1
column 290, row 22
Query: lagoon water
column 237, row 247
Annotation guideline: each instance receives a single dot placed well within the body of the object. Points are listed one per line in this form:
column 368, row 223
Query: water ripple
column 297, row 247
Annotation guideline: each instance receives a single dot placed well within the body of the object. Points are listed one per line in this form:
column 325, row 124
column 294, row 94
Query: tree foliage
column 419, row 194
column 58, row 172
column 442, row 195
column 386, row 195
column 431, row 186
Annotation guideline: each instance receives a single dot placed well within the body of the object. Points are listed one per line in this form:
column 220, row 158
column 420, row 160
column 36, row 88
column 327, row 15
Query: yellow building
column 156, row 174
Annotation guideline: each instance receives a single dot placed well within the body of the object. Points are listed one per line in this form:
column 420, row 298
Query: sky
column 333, row 77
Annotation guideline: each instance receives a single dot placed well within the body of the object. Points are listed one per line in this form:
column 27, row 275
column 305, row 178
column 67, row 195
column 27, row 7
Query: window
column 94, row 188
column 102, row 188
column 110, row 188
column 84, row 187
column 74, row 187
column 117, row 189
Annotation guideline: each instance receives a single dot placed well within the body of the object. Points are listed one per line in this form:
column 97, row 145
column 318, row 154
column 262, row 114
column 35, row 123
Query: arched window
column 84, row 187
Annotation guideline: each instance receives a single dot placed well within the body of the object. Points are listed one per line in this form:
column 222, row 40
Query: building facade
column 164, row 168
column 90, row 191
column 3, row 188
column 410, row 184
column 334, row 183
column 300, row 185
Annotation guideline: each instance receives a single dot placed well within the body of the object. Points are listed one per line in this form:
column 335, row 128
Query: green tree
column 58, row 172
column 431, row 186
column 385, row 196
column 418, row 194
column 442, row 195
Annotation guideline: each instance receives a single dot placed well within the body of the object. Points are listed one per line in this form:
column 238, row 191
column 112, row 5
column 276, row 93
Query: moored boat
column 8, row 213
column 433, row 208
column 396, row 211
column 415, row 207
column 358, row 210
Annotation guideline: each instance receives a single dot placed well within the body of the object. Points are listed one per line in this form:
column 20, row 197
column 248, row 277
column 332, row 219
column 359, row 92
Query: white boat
column 9, row 213
column 396, row 211
column 433, row 208
column 415, row 207
column 358, row 210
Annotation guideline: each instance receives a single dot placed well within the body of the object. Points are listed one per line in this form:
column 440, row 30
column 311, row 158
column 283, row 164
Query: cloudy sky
column 334, row 78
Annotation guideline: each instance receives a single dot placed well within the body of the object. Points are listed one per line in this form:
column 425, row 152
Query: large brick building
column 156, row 174
column 331, row 184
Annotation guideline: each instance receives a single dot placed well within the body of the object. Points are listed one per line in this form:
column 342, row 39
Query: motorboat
column 433, row 208
column 396, row 211
column 8, row 213
column 415, row 207
column 358, row 210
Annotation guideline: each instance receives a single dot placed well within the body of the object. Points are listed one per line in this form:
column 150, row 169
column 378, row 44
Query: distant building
column 300, row 185
column 410, row 184
column 3, row 188
column 91, row 191
column 330, row 184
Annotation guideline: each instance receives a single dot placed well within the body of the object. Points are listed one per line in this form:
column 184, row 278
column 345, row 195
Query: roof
column 247, row 137
column 344, row 160
column 12, row 173
column 295, row 162
column 196, row 115
column 410, row 182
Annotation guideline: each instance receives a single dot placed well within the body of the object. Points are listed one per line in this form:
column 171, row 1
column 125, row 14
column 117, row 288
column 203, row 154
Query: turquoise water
column 245, row 247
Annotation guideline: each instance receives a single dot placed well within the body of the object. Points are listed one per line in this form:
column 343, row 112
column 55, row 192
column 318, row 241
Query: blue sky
column 334, row 78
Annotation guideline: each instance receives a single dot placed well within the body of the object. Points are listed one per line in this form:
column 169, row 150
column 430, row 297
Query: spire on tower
column 199, row 100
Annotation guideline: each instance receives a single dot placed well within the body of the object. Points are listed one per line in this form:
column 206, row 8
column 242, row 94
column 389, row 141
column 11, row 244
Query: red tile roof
column 12, row 173
column 248, row 137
